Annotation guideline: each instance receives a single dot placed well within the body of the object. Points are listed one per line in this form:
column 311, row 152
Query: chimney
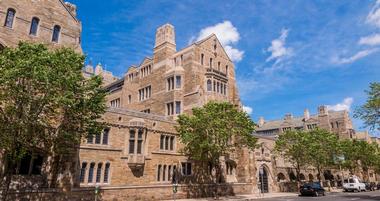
column 322, row 110
column 288, row 116
column 72, row 8
column 306, row 114
column 261, row 121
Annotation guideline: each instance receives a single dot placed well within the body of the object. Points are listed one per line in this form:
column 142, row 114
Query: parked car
column 313, row 189
column 354, row 184
column 378, row 186
column 370, row 186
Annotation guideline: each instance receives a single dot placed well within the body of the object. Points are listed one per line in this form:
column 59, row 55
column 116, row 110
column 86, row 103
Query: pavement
column 330, row 196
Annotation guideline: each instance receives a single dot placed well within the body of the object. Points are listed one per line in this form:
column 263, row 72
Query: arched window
column 10, row 17
column 34, row 26
column 209, row 85
column 106, row 173
column 226, row 69
column 202, row 58
column 82, row 172
column 210, row 62
column 280, row 177
column 56, row 33
column 91, row 173
column 302, row 177
column 98, row 172
column 164, row 173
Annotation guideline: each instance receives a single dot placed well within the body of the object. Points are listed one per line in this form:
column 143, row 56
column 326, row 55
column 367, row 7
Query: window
column 106, row 173
column 90, row 138
column 217, row 87
column 311, row 126
column 159, row 172
column 34, row 26
column 82, row 172
column 30, row 164
column 98, row 172
column 132, row 141
column 167, row 142
column 225, row 90
column 332, row 125
column 209, row 85
column 337, row 124
column 214, row 85
column 105, row 135
column 226, row 69
column 178, row 81
column 170, row 83
column 145, row 93
column 56, row 33
column 146, row 111
column 218, row 65
column 186, row 168
column 202, row 58
column 129, row 99
column 164, row 173
column 171, row 143
column 139, row 140
column 286, row 129
column 115, row 103
column 210, row 62
column 91, row 173
column 178, row 107
column 98, row 137
column 10, row 17
column 170, row 108
column 169, row 172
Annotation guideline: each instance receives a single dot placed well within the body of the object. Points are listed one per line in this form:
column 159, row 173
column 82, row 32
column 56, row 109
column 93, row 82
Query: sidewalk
column 243, row 197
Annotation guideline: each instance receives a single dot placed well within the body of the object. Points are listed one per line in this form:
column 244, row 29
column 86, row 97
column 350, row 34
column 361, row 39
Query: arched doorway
column 263, row 179
column 292, row 176
column 302, row 177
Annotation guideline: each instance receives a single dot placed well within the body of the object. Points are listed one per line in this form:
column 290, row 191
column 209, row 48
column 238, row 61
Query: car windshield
column 351, row 181
column 313, row 185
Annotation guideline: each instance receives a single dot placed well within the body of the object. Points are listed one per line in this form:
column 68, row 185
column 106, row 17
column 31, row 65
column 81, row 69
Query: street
column 365, row 196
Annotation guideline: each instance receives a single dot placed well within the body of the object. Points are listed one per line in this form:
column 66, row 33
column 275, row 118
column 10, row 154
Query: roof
column 67, row 9
column 296, row 121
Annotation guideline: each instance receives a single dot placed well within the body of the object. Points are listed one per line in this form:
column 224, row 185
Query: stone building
column 338, row 122
column 140, row 149
column 52, row 22
column 99, row 70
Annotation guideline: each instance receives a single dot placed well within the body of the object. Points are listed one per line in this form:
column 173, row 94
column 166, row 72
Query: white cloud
column 247, row 109
column 345, row 105
column 357, row 56
column 227, row 34
column 370, row 40
column 278, row 49
column 374, row 16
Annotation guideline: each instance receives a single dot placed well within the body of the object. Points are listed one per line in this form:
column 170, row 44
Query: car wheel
column 323, row 193
column 356, row 190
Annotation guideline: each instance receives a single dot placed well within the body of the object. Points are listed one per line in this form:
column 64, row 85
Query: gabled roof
column 217, row 40
column 297, row 121
column 145, row 60
column 67, row 9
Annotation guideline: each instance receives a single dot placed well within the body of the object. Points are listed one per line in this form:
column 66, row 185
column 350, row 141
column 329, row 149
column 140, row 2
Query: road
column 363, row 196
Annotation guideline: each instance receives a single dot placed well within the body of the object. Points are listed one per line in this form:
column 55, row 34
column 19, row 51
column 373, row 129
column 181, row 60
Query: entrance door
column 264, row 181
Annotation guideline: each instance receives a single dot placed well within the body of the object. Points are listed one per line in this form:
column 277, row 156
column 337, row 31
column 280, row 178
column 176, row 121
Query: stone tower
column 165, row 43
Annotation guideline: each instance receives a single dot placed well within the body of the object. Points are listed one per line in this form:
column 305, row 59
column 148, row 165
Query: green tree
column 46, row 106
column 370, row 111
column 322, row 149
column 359, row 154
column 293, row 145
column 213, row 131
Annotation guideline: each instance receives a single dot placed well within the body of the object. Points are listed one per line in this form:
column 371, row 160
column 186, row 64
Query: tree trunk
column 8, row 170
column 217, row 180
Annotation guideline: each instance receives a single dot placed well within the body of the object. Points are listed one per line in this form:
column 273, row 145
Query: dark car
column 378, row 186
column 370, row 186
column 313, row 189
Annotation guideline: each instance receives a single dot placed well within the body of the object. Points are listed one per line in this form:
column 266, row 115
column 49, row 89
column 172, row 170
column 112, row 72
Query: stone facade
column 142, row 149
column 99, row 70
column 49, row 13
column 338, row 122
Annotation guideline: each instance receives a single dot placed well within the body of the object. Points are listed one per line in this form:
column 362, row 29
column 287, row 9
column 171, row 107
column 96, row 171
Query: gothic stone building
column 140, row 149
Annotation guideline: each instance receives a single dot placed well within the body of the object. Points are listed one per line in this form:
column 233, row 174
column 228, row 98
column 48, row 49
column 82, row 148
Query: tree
column 213, row 131
column 322, row 149
column 293, row 145
column 46, row 106
column 370, row 111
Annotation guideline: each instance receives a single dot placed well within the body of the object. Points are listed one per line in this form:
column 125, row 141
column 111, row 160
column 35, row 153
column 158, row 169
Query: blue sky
column 288, row 55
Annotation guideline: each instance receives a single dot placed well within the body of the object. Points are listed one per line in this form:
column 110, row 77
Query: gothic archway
column 292, row 176
column 302, row 177
column 311, row 177
column 263, row 179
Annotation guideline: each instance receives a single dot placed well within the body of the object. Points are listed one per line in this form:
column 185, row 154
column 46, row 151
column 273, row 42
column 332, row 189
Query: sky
column 289, row 55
